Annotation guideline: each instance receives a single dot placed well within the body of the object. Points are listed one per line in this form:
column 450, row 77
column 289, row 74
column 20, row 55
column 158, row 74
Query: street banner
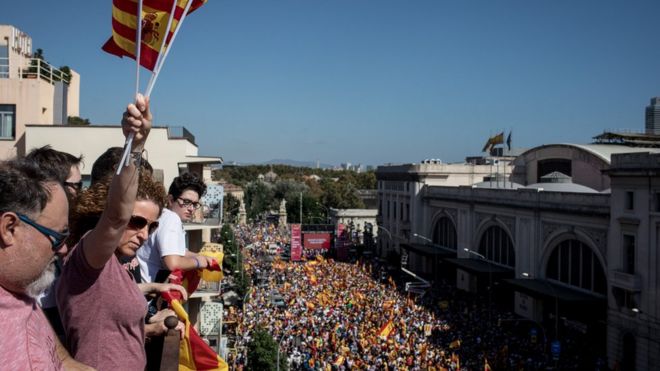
column 317, row 240
column 296, row 245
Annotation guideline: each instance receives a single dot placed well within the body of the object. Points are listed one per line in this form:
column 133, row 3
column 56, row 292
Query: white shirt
column 168, row 239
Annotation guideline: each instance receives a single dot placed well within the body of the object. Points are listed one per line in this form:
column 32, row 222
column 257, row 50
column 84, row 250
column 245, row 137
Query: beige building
column 568, row 239
column 31, row 91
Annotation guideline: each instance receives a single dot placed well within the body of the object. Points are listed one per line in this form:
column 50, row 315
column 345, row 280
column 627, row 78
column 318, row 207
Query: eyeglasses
column 57, row 239
column 77, row 185
column 139, row 222
column 188, row 203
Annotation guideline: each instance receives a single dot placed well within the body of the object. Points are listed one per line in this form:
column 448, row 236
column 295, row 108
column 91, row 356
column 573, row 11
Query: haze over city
column 371, row 82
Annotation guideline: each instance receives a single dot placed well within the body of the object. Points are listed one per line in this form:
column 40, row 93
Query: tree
column 258, row 198
column 262, row 352
column 75, row 120
column 231, row 207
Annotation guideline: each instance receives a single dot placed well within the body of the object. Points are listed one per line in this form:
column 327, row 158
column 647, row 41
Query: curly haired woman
column 103, row 309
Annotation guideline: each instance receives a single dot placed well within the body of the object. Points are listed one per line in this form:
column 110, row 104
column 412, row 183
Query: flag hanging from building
column 155, row 17
column 194, row 353
column 492, row 141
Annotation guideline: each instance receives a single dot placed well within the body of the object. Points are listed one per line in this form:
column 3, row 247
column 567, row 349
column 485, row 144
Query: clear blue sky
column 369, row 81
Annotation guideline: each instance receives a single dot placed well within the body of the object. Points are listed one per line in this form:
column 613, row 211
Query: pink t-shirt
column 27, row 341
column 103, row 314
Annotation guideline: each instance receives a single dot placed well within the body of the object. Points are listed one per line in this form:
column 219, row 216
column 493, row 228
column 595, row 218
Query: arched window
column 444, row 233
column 574, row 263
column 497, row 247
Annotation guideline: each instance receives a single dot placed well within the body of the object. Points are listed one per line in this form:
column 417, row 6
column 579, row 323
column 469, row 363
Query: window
column 4, row 61
column 444, row 233
column 497, row 247
column 657, row 202
column 574, row 263
column 408, row 212
column 629, row 254
column 630, row 200
column 7, row 121
column 401, row 211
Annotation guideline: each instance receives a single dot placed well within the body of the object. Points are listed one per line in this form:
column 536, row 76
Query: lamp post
column 423, row 237
column 527, row 275
column 490, row 279
column 279, row 343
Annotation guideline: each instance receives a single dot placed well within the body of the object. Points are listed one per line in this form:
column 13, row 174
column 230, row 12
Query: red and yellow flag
column 386, row 330
column 155, row 16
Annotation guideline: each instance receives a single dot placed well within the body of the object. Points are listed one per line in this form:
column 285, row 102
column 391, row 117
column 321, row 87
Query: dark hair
column 92, row 201
column 187, row 181
column 56, row 163
column 106, row 164
column 23, row 187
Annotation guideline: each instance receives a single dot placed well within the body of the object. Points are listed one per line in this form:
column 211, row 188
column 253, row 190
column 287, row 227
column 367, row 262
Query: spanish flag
column 194, row 353
column 492, row 141
column 154, row 18
column 386, row 330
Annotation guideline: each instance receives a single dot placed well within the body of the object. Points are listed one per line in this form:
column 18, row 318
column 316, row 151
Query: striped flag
column 155, row 17
column 194, row 353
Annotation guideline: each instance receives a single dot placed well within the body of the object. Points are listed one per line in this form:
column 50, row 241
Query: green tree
column 262, row 352
column 231, row 207
column 75, row 120
column 258, row 198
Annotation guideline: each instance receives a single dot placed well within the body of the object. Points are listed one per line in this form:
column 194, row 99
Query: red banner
column 317, row 240
column 296, row 246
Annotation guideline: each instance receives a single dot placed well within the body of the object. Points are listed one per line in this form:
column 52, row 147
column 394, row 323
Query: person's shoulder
column 169, row 217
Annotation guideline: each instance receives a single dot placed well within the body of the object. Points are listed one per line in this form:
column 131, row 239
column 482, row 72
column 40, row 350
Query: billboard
column 317, row 240
column 296, row 245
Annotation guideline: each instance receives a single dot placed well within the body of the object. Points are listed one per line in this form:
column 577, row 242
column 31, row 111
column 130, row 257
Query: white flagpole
column 138, row 44
column 167, row 50
column 162, row 47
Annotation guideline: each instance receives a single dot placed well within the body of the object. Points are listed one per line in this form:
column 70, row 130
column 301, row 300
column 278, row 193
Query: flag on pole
column 508, row 140
column 155, row 17
column 492, row 141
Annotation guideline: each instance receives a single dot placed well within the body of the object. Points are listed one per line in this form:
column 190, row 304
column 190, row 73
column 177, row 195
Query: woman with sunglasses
column 102, row 308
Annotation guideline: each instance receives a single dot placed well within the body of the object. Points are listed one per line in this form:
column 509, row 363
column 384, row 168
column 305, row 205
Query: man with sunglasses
column 165, row 250
column 64, row 167
column 33, row 229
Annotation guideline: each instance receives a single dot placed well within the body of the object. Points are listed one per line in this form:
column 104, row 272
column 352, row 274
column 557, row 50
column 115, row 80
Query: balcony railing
column 626, row 281
column 179, row 132
column 40, row 69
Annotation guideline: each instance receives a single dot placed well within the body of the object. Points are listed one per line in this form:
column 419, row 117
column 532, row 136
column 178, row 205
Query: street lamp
column 527, row 275
column 279, row 343
column 490, row 279
column 423, row 237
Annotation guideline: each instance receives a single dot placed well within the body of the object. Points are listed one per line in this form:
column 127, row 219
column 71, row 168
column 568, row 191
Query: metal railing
column 180, row 132
column 40, row 69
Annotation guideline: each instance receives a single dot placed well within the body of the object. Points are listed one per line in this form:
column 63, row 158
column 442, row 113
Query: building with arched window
column 566, row 235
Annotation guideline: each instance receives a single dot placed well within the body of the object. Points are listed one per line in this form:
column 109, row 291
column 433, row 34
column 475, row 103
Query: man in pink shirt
column 33, row 228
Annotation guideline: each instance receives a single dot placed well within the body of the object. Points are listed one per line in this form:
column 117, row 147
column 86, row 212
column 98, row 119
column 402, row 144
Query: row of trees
column 335, row 189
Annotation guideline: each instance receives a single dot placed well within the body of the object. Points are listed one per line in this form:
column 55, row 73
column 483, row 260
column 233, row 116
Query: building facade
column 566, row 237
column 31, row 91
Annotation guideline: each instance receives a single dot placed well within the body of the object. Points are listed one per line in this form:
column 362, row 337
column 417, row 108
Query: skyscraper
column 653, row 116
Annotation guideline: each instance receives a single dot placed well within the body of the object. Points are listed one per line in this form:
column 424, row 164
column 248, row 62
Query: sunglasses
column 76, row 186
column 57, row 239
column 187, row 203
column 138, row 222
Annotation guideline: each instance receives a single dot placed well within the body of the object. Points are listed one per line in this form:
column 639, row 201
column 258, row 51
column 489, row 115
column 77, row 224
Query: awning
column 537, row 287
column 479, row 266
column 429, row 250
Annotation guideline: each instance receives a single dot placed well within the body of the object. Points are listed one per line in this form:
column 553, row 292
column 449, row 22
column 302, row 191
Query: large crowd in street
column 342, row 316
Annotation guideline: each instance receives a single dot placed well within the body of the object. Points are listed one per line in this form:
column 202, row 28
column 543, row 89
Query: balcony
column 626, row 281
column 40, row 69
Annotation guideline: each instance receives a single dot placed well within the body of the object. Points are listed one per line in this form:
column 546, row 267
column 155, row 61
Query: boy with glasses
column 165, row 250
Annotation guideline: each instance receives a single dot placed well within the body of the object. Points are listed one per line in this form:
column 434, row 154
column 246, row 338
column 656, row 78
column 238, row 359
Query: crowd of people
column 343, row 316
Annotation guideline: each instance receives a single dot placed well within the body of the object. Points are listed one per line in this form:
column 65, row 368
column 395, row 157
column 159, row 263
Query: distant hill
column 311, row 164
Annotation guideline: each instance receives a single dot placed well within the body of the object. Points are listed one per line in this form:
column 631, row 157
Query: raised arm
column 100, row 244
